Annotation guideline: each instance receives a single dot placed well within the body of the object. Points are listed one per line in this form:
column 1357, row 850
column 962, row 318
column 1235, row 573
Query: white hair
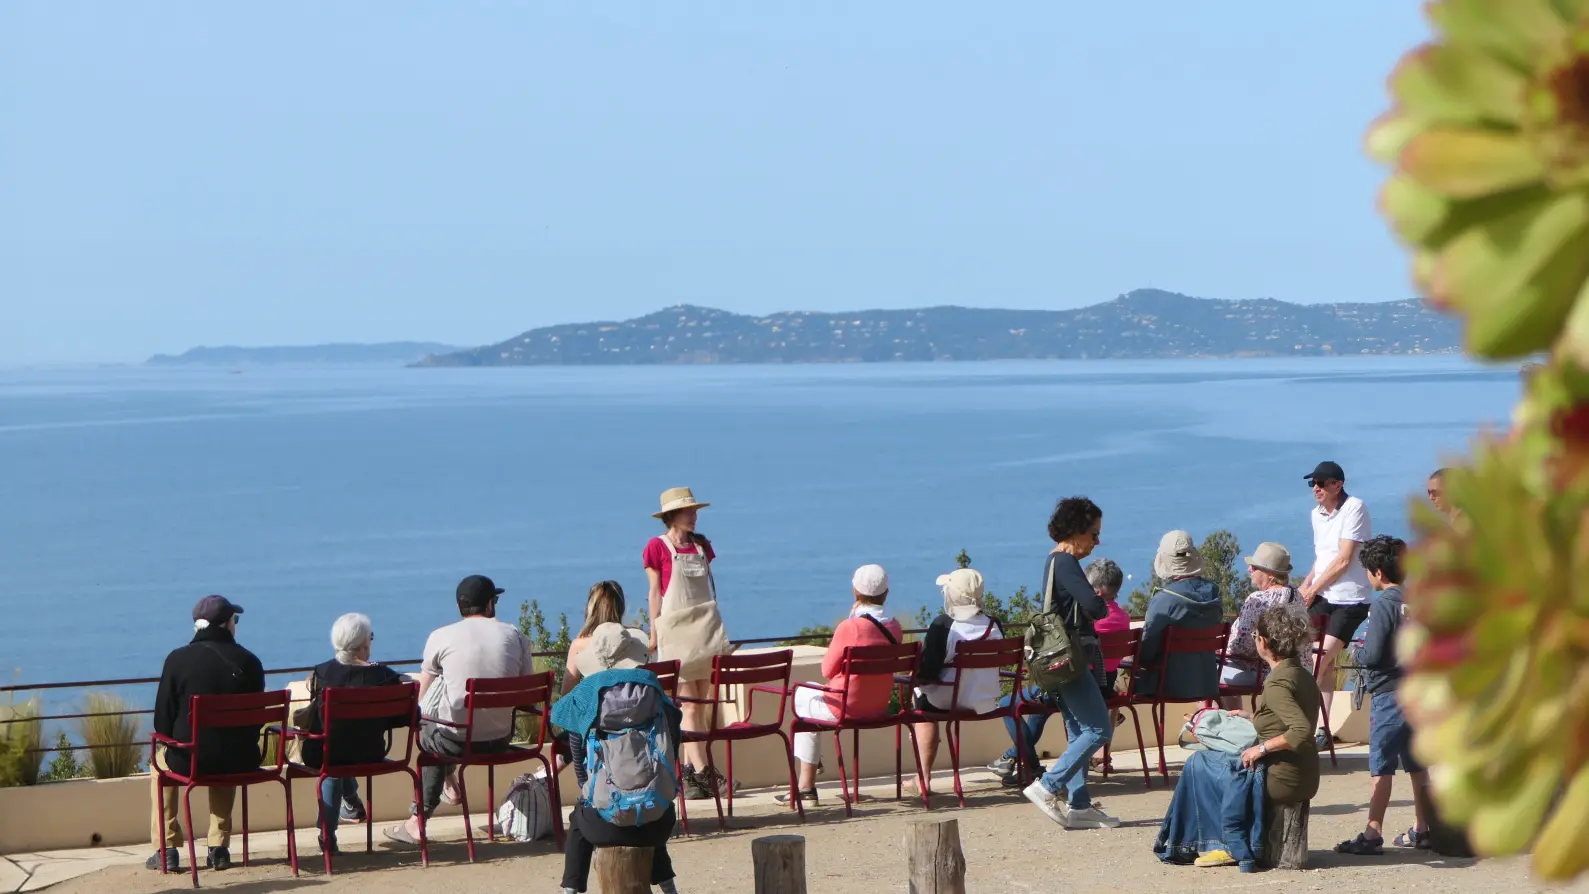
column 348, row 634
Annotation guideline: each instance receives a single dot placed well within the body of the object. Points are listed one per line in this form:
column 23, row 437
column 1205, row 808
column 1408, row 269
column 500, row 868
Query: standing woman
column 685, row 624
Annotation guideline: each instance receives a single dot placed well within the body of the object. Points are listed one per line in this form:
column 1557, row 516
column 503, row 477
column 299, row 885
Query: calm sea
column 126, row 494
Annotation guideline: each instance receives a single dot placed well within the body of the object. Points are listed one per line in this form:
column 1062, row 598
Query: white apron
column 690, row 628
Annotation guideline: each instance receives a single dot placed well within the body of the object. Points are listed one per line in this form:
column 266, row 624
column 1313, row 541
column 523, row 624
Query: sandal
column 1413, row 838
column 1362, row 846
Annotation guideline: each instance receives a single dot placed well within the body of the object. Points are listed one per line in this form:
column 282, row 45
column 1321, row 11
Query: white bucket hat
column 1177, row 556
column 962, row 593
column 612, row 645
column 676, row 498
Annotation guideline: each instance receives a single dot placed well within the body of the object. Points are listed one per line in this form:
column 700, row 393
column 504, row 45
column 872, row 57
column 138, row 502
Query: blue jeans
column 1389, row 737
column 1087, row 727
column 1217, row 805
column 332, row 791
column 1031, row 724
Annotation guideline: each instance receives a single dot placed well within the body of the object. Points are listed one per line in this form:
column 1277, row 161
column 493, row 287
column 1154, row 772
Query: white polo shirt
column 1350, row 522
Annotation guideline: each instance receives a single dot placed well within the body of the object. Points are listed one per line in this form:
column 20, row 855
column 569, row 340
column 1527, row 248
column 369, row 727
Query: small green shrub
column 64, row 765
column 115, row 740
column 20, row 740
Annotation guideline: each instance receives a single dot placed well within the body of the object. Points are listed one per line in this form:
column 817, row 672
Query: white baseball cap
column 962, row 593
column 870, row 580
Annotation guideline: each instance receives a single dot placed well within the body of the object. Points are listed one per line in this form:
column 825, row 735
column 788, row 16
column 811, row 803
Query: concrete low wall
column 116, row 812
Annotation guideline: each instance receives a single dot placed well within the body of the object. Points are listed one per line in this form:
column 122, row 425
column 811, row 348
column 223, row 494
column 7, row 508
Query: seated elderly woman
column 350, row 742
column 1270, row 568
column 1216, row 817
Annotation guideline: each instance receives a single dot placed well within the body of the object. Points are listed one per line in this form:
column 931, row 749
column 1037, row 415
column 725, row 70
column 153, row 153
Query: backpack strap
column 988, row 630
column 882, row 628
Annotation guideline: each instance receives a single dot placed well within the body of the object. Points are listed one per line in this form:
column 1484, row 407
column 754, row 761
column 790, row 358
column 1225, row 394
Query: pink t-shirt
column 1117, row 619
column 657, row 558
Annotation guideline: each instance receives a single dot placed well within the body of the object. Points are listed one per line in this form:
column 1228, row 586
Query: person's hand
column 1237, row 713
column 1251, row 756
column 1308, row 593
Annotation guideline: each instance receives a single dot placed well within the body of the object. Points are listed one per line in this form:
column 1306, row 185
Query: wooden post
column 780, row 862
column 623, row 870
column 933, row 850
column 1286, row 844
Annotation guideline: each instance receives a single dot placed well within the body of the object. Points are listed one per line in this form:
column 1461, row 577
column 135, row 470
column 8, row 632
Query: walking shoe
column 1215, row 858
column 333, row 849
column 809, row 796
column 173, row 860
column 694, row 787
column 1090, row 818
column 352, row 808
column 716, row 781
column 1413, row 838
column 1004, row 766
column 1362, row 846
column 1052, row 805
column 219, row 859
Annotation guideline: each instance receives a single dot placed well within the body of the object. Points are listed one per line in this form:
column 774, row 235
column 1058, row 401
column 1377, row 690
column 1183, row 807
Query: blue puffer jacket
column 1191, row 603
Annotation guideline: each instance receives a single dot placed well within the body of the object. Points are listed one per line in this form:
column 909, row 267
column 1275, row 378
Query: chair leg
column 1142, row 749
column 844, row 783
column 292, row 837
column 717, row 796
column 463, row 801
column 921, row 772
column 855, row 739
column 419, row 814
column 794, row 779
column 952, row 733
column 730, row 746
column 187, row 817
column 684, row 799
column 245, row 826
column 1160, row 709
column 160, row 808
column 324, row 814
column 369, row 815
column 552, row 796
column 899, row 762
column 491, row 803
column 1329, row 737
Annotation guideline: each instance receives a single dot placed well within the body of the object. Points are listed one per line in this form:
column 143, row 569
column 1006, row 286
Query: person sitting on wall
column 212, row 663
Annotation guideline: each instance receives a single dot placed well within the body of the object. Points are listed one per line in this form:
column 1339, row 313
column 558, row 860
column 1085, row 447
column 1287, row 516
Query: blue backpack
column 631, row 756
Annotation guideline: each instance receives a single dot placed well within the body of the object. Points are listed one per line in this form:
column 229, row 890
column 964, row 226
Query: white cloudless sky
column 298, row 171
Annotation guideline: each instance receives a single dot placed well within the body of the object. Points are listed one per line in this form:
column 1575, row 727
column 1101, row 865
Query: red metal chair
column 742, row 670
column 990, row 654
column 667, row 675
column 1237, row 692
column 1119, row 645
column 1177, row 641
column 207, row 713
column 865, row 661
column 531, row 694
column 1321, row 625
column 340, row 705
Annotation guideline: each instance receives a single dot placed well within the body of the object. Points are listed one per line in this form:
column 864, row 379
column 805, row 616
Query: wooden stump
column 1286, row 836
column 623, row 870
column 932, row 848
column 780, row 862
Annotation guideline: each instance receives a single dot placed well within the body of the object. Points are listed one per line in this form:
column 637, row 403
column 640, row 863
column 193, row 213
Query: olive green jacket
column 1289, row 707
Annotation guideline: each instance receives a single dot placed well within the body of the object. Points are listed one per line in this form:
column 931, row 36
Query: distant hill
column 1146, row 323
column 394, row 353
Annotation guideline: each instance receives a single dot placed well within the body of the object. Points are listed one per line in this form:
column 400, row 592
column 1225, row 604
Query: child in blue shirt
column 1389, row 736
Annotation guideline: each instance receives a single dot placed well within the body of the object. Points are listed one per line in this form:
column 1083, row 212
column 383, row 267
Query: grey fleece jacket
column 1381, row 671
column 1191, row 603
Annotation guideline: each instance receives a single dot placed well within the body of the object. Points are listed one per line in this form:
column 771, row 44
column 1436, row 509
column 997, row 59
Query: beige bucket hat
column 676, row 498
column 1271, row 557
column 1177, row 556
column 612, row 645
column 962, row 593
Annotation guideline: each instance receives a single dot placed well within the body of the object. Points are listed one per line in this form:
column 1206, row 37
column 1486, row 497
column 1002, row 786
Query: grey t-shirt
column 476, row 648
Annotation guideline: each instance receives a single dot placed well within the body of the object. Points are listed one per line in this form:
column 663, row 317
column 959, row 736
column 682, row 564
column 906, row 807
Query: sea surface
column 126, row 494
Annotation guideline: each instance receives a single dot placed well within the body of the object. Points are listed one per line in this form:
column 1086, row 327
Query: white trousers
column 808, row 703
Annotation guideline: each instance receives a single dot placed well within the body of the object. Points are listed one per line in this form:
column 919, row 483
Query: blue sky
column 299, row 171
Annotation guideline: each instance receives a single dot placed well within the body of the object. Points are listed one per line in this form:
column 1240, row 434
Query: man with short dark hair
column 1337, row 587
column 476, row 648
column 212, row 663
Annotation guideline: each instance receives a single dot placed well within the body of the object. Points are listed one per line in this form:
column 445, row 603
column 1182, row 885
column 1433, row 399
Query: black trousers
column 588, row 831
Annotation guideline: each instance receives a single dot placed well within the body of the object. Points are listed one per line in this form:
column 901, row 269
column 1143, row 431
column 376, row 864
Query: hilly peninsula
column 1146, row 323
column 395, row 353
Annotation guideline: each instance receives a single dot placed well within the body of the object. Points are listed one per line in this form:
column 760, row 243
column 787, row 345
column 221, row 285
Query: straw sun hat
column 676, row 498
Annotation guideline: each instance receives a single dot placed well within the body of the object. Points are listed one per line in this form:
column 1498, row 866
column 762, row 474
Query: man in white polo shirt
column 1338, row 585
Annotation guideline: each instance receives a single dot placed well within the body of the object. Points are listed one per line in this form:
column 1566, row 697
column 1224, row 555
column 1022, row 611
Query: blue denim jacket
column 1218, row 805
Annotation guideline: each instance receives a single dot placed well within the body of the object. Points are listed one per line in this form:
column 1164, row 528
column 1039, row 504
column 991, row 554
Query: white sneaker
column 1052, row 805
column 1090, row 818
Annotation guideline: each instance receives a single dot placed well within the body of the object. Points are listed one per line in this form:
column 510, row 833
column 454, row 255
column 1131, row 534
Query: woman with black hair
column 1076, row 527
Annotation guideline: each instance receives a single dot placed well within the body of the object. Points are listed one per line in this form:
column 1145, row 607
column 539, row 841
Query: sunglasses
column 1320, row 482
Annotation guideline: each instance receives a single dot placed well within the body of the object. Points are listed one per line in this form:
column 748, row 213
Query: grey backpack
column 631, row 756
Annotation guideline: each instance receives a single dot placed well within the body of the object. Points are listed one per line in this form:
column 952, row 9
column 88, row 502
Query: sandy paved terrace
column 1008, row 845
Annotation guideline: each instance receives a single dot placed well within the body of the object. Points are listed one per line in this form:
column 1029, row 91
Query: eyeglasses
column 1434, row 494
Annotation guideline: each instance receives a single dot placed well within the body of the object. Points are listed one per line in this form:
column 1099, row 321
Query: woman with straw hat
column 685, row 623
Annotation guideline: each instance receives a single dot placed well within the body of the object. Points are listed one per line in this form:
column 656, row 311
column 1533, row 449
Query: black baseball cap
column 1326, row 471
column 477, row 591
column 216, row 610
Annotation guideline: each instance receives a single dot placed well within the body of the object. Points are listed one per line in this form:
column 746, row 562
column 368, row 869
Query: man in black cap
column 212, row 664
column 1338, row 585
column 475, row 648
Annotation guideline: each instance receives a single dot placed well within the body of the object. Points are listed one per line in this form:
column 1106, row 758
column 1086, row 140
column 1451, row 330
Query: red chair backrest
column 667, row 675
column 974, row 654
column 750, row 670
column 878, row 661
column 397, row 703
column 1118, row 644
column 529, row 694
column 1186, row 641
column 249, row 709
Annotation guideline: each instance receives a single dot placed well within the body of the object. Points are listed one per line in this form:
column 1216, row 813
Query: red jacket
column 868, row 695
